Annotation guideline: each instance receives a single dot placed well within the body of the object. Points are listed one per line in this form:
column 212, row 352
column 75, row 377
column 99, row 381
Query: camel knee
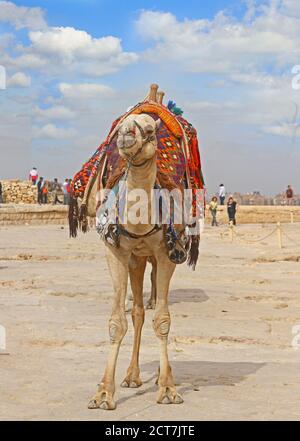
column 117, row 328
column 161, row 324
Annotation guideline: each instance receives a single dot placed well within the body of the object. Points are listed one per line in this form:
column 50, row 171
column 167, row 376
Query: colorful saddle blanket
column 178, row 157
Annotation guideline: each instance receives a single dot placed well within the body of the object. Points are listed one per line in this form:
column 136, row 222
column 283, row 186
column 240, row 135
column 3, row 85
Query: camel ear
column 158, row 123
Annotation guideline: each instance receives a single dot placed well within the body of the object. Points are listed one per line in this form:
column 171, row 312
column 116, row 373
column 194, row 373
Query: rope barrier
column 256, row 240
column 279, row 230
column 290, row 239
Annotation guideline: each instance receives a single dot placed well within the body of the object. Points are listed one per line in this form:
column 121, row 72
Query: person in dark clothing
column 231, row 210
column 1, row 194
column 45, row 193
column 56, row 189
column 289, row 195
column 40, row 186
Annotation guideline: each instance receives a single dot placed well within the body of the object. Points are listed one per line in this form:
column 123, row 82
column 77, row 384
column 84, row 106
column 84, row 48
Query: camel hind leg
column 152, row 301
column 137, row 266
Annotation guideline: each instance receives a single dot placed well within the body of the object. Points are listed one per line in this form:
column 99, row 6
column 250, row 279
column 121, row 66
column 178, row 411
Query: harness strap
column 126, row 233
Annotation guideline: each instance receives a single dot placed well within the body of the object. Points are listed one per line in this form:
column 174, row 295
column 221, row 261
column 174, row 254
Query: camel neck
column 144, row 176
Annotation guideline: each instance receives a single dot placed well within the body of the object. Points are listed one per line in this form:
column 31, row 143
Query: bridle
column 145, row 140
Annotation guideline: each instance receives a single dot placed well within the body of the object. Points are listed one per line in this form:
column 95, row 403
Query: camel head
column 137, row 140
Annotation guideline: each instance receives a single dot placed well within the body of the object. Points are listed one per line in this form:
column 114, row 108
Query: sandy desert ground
column 230, row 343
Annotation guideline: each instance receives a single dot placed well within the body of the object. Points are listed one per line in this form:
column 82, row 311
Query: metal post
column 279, row 234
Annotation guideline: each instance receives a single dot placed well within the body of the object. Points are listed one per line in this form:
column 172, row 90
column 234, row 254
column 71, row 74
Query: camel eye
column 148, row 129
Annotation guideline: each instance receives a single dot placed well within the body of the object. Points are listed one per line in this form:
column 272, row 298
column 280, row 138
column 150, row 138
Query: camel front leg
column 161, row 322
column 137, row 268
column 118, row 266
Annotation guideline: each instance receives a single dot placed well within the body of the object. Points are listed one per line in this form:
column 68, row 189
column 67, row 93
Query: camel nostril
column 125, row 141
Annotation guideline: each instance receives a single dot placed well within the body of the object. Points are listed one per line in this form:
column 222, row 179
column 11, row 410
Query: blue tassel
column 174, row 109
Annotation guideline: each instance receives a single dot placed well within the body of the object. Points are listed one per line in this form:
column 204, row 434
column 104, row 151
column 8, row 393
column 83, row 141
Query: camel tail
column 83, row 220
column 193, row 253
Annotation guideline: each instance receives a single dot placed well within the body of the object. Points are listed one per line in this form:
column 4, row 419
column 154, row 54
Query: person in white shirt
column 222, row 194
column 66, row 192
column 33, row 176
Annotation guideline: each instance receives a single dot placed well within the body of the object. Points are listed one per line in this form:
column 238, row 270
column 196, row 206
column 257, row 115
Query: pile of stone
column 23, row 214
column 19, row 192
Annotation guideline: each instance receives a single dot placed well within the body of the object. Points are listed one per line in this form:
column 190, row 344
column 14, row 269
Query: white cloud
column 5, row 41
column 85, row 90
column 69, row 43
column 28, row 61
column 211, row 106
column 285, row 129
column 65, row 48
column 19, row 79
column 291, row 7
column 51, row 131
column 21, row 16
column 256, row 79
column 223, row 44
column 55, row 113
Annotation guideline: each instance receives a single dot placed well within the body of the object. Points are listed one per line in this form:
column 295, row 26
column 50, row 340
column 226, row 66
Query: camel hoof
column 93, row 404
column 166, row 400
column 131, row 384
column 168, row 396
column 103, row 402
column 178, row 399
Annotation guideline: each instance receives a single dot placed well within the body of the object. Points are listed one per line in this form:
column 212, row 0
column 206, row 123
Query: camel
column 150, row 147
column 137, row 144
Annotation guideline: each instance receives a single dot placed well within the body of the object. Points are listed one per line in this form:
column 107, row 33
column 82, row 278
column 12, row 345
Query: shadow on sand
column 191, row 295
column 193, row 375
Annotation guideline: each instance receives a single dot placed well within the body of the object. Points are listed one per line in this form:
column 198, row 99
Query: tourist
column 1, row 193
column 66, row 192
column 222, row 194
column 231, row 210
column 45, row 193
column 289, row 195
column 33, row 176
column 40, row 186
column 213, row 207
column 56, row 188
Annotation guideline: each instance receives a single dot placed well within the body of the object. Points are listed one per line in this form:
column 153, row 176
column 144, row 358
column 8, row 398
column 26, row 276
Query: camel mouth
column 125, row 142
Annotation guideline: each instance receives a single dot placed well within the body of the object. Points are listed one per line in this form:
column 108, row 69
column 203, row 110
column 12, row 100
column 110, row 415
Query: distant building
column 256, row 198
column 280, row 199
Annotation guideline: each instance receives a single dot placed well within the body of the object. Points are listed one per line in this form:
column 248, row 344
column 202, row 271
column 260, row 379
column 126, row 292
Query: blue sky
column 73, row 66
